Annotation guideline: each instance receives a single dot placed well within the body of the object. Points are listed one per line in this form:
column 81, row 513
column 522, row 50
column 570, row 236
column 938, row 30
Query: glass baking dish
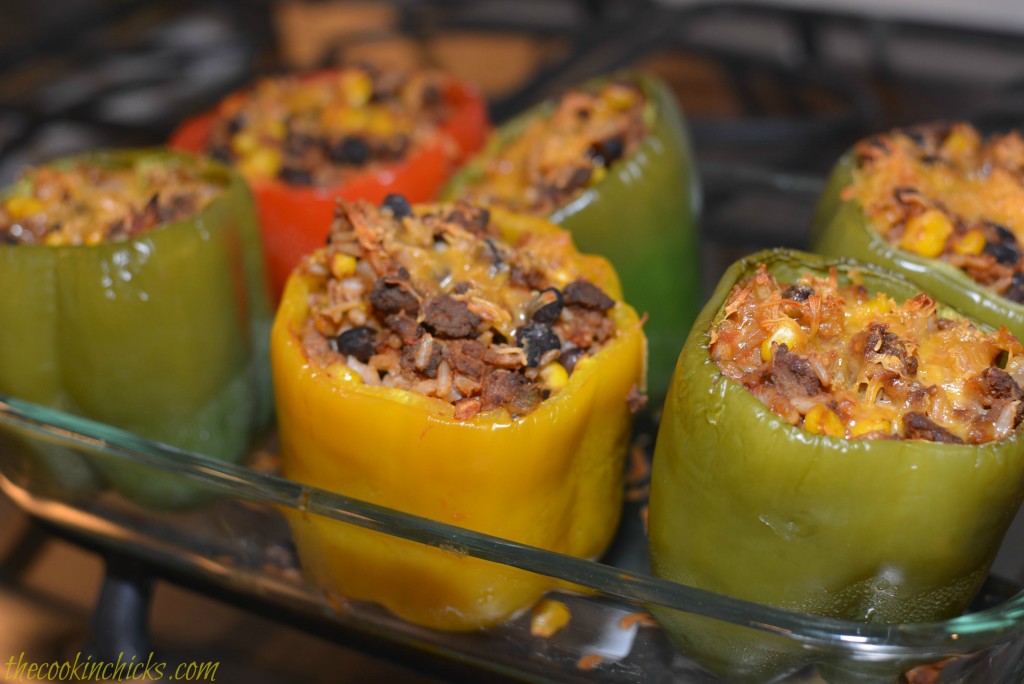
column 239, row 539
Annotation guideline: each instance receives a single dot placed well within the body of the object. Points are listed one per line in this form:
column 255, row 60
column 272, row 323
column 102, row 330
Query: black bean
column 797, row 293
column 1003, row 234
column 360, row 342
column 546, row 306
column 536, row 339
column 1015, row 293
column 351, row 150
column 235, row 123
column 570, row 357
column 1003, row 253
column 610, row 150
column 221, row 153
column 917, row 135
column 398, row 205
column 295, row 176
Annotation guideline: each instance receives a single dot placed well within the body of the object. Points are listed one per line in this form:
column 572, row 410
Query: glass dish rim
column 961, row 634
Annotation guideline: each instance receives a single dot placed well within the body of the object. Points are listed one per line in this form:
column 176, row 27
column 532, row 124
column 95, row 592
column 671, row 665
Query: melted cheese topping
column 442, row 304
column 557, row 157
column 89, row 205
column 945, row 193
column 836, row 361
column 320, row 130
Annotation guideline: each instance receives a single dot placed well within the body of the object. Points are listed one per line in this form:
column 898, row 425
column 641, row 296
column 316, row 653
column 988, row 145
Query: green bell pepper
column 165, row 335
column 841, row 228
column 745, row 504
column 641, row 216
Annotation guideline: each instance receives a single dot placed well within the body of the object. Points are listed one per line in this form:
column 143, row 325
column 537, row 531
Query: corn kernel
column 868, row 425
column 926, row 233
column 275, row 128
column 549, row 616
column 822, row 421
column 244, row 142
column 381, row 124
column 619, row 97
column 22, row 206
column 262, row 163
column 93, row 237
column 960, row 142
column 971, row 242
column 357, row 88
column 55, row 239
column 788, row 333
column 343, row 265
column 554, row 376
column 598, row 175
column 303, row 99
column 344, row 119
column 880, row 304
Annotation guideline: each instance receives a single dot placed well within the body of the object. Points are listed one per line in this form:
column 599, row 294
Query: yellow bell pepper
column 551, row 478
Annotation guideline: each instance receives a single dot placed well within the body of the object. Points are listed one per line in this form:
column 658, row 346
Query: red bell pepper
column 295, row 220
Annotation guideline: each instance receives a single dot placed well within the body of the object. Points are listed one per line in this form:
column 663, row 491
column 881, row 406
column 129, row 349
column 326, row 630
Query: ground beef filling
column 834, row 360
column 558, row 157
column 944, row 192
column 442, row 305
column 319, row 131
column 89, row 205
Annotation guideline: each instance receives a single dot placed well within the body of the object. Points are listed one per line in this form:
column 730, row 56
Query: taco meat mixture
column 444, row 304
column 944, row 192
column 91, row 204
column 322, row 129
column 557, row 157
column 835, row 360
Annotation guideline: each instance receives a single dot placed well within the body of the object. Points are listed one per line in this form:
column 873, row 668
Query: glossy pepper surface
column 841, row 228
column 641, row 216
column 294, row 220
column 164, row 335
column 551, row 478
column 745, row 504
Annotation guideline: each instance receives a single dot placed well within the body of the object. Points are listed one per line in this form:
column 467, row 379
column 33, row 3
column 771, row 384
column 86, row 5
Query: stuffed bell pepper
column 835, row 442
column 462, row 365
column 611, row 162
column 942, row 205
column 133, row 294
column 350, row 133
